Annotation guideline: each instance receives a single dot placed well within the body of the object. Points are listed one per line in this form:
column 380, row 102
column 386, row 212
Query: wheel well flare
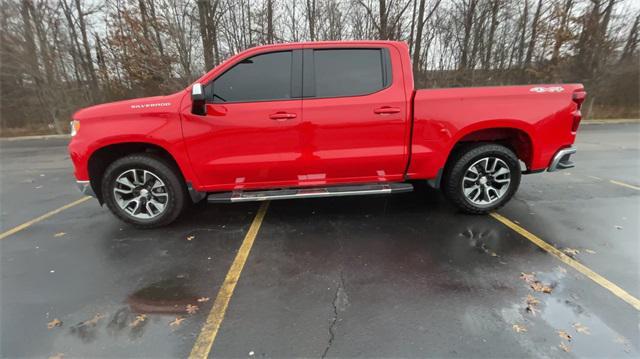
column 515, row 139
column 104, row 156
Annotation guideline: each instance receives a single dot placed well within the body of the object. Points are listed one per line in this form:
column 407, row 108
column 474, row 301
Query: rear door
column 355, row 118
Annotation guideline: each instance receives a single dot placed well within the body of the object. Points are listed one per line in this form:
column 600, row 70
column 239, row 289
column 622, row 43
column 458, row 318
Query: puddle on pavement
column 559, row 312
column 161, row 308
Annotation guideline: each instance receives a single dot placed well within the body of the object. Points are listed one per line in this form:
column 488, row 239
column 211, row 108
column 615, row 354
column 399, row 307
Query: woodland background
column 59, row 55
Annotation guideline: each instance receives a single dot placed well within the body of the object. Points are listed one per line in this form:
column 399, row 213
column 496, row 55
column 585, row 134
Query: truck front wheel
column 143, row 190
column 481, row 178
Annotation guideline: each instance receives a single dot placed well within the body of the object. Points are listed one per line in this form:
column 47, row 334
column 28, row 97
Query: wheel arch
column 102, row 157
column 515, row 135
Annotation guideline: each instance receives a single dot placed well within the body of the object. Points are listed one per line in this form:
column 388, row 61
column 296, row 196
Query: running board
column 313, row 192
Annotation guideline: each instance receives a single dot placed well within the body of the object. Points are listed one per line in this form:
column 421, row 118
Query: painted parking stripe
column 625, row 185
column 17, row 229
column 209, row 331
column 613, row 288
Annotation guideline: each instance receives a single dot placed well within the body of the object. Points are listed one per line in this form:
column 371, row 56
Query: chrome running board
column 312, row 192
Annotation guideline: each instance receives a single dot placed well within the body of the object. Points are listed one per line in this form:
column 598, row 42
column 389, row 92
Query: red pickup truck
column 315, row 120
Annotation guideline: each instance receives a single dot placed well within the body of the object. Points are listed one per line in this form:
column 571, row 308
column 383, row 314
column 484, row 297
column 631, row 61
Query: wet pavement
column 384, row 276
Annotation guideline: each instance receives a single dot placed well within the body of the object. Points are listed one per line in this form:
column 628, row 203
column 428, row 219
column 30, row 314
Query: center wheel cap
column 483, row 180
column 144, row 192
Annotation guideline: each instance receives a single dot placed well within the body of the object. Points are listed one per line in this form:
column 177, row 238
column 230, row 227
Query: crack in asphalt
column 339, row 304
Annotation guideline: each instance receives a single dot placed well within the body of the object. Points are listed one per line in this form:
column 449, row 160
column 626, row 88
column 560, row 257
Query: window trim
column 296, row 76
column 309, row 83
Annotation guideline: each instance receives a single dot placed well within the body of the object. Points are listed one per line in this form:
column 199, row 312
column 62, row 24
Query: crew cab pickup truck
column 314, row 120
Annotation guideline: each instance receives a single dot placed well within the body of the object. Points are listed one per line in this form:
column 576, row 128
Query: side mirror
column 198, row 100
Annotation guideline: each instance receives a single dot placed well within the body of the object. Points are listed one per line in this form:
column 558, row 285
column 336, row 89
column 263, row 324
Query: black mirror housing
column 198, row 99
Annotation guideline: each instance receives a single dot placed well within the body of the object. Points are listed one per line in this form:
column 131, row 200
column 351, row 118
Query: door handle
column 385, row 110
column 282, row 116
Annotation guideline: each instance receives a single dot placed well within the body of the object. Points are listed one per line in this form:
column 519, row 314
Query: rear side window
column 258, row 78
column 348, row 72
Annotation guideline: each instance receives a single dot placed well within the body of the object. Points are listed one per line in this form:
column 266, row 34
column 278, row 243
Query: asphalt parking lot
column 382, row 276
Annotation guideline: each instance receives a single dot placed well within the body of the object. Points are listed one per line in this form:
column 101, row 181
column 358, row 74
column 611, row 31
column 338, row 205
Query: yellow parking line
column 625, row 185
column 209, row 331
column 17, row 229
column 617, row 291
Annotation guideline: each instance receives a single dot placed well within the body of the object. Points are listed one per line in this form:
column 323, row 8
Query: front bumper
column 562, row 160
column 85, row 188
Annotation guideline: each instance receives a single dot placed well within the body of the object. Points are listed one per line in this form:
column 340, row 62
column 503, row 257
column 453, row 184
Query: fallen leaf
column 571, row 252
column 176, row 322
column 621, row 340
column 564, row 347
column 57, row 356
column 590, row 251
column 189, row 238
column 519, row 328
column 139, row 319
column 94, row 320
column 535, row 284
column 581, row 328
column 532, row 304
column 203, row 299
column 539, row 287
column 59, row 234
column 192, row 309
column 564, row 335
column 528, row 277
column 54, row 323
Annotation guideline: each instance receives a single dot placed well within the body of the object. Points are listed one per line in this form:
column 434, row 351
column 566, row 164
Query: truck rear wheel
column 143, row 190
column 481, row 178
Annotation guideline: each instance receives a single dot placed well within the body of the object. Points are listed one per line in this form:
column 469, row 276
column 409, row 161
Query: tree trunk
column 29, row 42
column 468, row 26
column 270, row 21
column 495, row 9
column 413, row 27
column 632, row 41
column 417, row 50
column 523, row 32
column 87, row 47
column 311, row 19
column 207, row 44
column 534, row 35
column 383, row 31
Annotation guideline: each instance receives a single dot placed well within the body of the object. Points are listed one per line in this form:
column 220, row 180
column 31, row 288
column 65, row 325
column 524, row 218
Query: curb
column 36, row 137
column 610, row 122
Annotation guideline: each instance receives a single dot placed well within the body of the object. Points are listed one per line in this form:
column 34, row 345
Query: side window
column 258, row 78
column 348, row 72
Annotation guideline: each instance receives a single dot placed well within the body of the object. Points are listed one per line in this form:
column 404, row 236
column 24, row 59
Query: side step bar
column 312, row 192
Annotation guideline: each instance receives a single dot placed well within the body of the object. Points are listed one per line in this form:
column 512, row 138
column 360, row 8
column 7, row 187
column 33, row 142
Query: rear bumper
column 85, row 188
column 562, row 160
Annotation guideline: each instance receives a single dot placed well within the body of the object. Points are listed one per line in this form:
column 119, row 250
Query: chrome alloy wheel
column 140, row 193
column 486, row 181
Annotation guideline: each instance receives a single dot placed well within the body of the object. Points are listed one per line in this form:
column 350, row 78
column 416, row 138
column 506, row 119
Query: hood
column 138, row 106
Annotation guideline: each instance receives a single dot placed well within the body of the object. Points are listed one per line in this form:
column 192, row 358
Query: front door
column 248, row 137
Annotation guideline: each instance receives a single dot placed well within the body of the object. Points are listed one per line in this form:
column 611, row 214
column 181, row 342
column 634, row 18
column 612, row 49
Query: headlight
column 75, row 127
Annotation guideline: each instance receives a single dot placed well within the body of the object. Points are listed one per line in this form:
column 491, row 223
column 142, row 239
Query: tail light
column 578, row 97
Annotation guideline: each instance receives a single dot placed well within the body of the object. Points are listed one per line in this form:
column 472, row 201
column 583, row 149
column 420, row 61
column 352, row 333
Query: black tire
column 175, row 188
column 462, row 160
